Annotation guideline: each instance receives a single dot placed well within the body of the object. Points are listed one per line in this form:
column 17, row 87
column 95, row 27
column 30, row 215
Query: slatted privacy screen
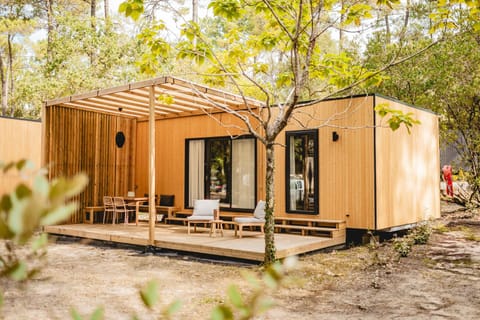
column 83, row 141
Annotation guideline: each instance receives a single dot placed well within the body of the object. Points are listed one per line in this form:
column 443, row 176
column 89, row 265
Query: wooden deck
column 174, row 237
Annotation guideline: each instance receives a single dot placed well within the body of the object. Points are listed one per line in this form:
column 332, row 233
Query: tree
column 14, row 20
column 446, row 80
column 279, row 60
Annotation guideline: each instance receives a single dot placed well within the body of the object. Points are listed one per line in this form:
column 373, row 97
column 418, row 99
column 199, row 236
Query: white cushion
column 200, row 218
column 205, row 207
column 259, row 212
column 248, row 220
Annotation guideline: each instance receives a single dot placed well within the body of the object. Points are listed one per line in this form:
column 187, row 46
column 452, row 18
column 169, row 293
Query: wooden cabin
column 341, row 163
column 19, row 139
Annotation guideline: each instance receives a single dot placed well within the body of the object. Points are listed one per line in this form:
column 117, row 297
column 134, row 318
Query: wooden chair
column 108, row 207
column 121, row 207
column 258, row 219
column 203, row 212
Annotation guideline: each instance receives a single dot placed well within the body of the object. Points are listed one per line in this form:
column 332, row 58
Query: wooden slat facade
column 353, row 182
column 83, row 141
column 19, row 139
column 408, row 170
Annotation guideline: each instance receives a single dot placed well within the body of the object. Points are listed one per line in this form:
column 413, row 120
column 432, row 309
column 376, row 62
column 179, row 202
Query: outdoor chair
column 121, row 207
column 108, row 207
column 258, row 219
column 203, row 212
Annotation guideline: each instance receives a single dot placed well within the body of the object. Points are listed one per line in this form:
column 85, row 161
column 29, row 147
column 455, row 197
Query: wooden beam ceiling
column 132, row 100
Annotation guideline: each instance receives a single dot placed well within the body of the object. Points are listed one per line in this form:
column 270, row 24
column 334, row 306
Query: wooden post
column 43, row 151
column 151, row 165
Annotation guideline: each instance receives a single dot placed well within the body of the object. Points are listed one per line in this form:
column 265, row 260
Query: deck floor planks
column 174, row 237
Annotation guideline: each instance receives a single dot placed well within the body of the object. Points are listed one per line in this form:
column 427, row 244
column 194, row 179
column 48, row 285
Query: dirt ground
column 439, row 280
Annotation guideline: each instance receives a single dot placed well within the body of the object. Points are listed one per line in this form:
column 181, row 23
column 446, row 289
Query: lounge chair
column 257, row 220
column 203, row 212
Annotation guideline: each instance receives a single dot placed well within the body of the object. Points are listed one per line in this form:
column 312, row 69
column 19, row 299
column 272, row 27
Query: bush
column 403, row 246
column 421, row 233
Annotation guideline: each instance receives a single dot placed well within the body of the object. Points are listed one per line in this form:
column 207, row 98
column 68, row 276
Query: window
column 221, row 168
column 302, row 172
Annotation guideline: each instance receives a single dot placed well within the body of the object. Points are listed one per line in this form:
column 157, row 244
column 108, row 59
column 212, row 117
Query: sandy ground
column 439, row 280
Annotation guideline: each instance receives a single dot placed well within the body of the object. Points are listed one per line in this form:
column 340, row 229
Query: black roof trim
column 374, row 95
column 405, row 103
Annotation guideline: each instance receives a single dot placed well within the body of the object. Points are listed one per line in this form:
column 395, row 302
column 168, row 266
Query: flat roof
column 173, row 97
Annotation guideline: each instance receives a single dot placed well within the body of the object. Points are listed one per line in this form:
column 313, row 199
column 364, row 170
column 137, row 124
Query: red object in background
column 447, row 176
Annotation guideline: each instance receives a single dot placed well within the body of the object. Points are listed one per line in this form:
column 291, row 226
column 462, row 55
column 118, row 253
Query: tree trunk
column 270, row 251
column 10, row 70
column 93, row 14
column 4, row 87
column 107, row 9
column 195, row 11
column 387, row 30
column 93, row 10
column 340, row 30
column 50, row 28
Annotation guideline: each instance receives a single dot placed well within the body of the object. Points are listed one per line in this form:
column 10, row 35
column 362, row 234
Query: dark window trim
column 316, row 197
column 187, row 173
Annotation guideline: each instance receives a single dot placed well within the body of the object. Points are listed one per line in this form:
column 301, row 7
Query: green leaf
column 97, row 314
column 229, row 9
column 132, row 8
column 19, row 271
column 16, row 216
column 150, row 294
column 222, row 312
column 75, row 315
column 59, row 214
column 8, row 166
column 5, row 203
column 235, row 296
column 20, row 164
column 23, row 191
column 5, row 232
column 40, row 242
column 173, row 307
column 41, row 185
column 166, row 99
column 265, row 305
column 66, row 188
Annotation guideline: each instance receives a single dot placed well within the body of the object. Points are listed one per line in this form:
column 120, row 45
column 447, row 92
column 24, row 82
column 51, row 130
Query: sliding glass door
column 222, row 168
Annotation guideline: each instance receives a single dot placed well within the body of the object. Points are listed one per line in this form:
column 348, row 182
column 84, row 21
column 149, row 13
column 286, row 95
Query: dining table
column 129, row 200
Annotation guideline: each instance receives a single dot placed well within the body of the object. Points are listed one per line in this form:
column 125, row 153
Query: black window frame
column 316, row 197
column 187, row 171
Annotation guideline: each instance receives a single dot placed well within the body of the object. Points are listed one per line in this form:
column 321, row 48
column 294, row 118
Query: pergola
column 159, row 98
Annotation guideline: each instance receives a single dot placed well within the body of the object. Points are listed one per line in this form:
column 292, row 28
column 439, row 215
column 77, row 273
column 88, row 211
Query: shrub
column 403, row 246
column 421, row 233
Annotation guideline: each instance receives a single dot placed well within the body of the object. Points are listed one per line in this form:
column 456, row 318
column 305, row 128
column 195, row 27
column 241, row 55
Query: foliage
column 25, row 211
column 421, row 233
column 418, row 235
column 445, row 80
column 396, row 117
column 403, row 246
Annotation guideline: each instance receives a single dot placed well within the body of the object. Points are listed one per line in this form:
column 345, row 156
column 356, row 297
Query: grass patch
column 469, row 234
column 441, row 228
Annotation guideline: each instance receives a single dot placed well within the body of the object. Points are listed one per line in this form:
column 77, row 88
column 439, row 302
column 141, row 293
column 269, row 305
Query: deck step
column 329, row 228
